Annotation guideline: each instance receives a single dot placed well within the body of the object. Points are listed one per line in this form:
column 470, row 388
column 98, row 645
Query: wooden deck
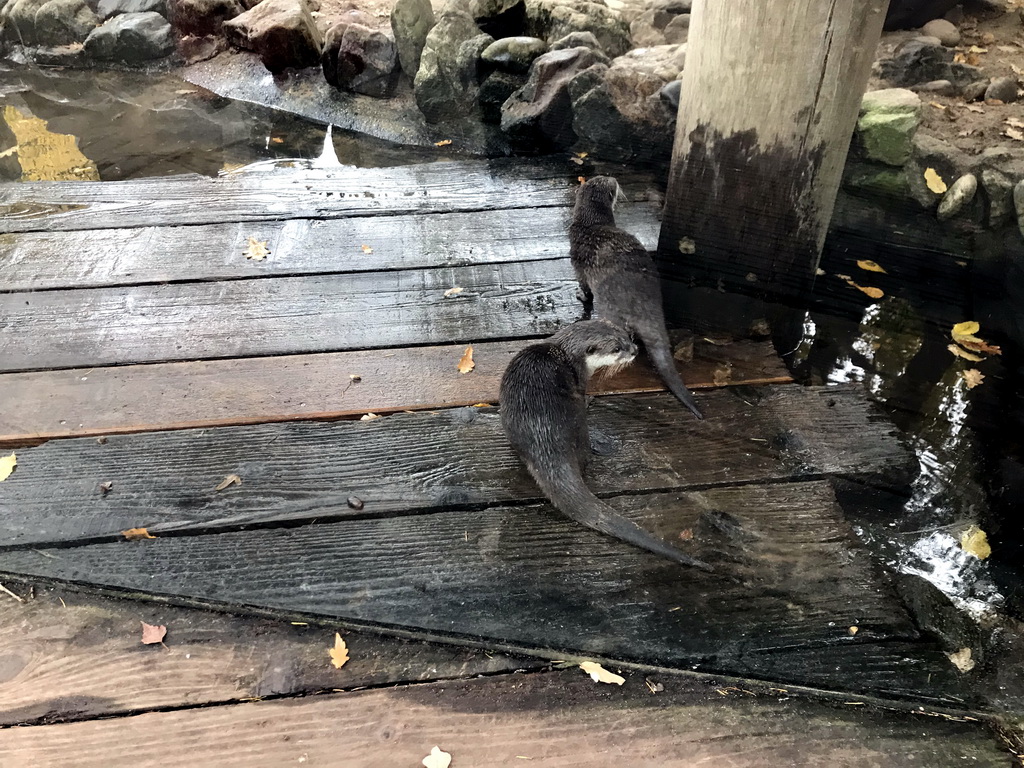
column 144, row 359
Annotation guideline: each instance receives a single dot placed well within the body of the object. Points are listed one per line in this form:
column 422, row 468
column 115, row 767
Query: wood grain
column 241, row 318
column 301, row 471
column 122, row 399
column 72, row 656
column 556, row 720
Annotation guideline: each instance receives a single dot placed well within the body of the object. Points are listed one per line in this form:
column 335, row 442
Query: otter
column 618, row 277
column 543, row 408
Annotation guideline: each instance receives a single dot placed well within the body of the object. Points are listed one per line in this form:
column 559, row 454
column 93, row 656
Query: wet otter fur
column 618, row 275
column 543, row 409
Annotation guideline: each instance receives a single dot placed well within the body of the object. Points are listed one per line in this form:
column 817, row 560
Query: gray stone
column 999, row 191
column 62, row 22
column 539, row 115
column 359, row 59
column 936, row 155
column 203, row 17
column 499, row 18
column 282, row 32
column 1003, row 89
column 132, row 38
column 553, row 19
column 648, row 28
column 936, row 88
column 495, row 90
column 1018, row 204
column 514, row 54
column 577, row 40
column 975, row 91
column 669, row 93
column 411, row 21
column 109, row 8
column 18, row 20
column 446, row 82
column 678, row 30
column 958, row 196
column 923, row 59
column 887, row 124
column 946, row 32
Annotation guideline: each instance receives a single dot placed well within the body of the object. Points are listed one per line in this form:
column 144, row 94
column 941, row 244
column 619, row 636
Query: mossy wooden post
column 770, row 96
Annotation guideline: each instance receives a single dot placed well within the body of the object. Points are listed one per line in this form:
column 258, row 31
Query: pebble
column 354, row 502
column 958, row 196
column 975, row 91
column 669, row 93
column 945, row 31
column 1003, row 89
column 936, row 88
column 1018, row 204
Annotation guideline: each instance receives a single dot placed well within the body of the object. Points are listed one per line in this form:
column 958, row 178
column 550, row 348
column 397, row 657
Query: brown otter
column 544, row 415
column 619, row 276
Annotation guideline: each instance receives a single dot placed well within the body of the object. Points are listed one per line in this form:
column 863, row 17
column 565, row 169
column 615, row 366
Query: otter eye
column 591, row 350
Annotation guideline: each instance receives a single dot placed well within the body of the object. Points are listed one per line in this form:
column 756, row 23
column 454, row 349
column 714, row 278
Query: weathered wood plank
column 294, row 194
column 557, row 720
column 241, row 318
column 46, row 260
column 71, row 656
column 306, row 470
column 135, row 398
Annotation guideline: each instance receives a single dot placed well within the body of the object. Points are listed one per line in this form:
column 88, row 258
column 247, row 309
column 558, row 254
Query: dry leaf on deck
column 874, row 293
column 7, row 465
column 601, row 675
column 963, row 334
column 972, row 377
column 581, row 179
column 466, row 363
column 257, row 249
column 134, row 534
column 964, row 354
column 229, row 480
column 934, row 181
column 369, row 416
column 453, row 291
column 339, row 653
column 437, row 759
column 276, row 140
column 975, row 542
column 366, row 249
column 871, row 266
column 442, row 143
column 962, row 659
column 152, row 634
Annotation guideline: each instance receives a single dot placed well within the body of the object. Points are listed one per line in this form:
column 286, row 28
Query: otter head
column 599, row 344
column 595, row 200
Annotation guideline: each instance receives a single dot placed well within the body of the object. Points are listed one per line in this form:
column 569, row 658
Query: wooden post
column 770, row 96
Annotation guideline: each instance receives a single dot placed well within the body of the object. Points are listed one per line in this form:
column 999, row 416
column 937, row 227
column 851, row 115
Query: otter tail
column 572, row 498
column 660, row 354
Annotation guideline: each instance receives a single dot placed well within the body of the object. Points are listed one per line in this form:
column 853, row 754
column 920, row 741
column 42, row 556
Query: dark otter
column 619, row 276
column 544, row 414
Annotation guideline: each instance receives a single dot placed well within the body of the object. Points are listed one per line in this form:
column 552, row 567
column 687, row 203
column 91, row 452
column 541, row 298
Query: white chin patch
column 613, row 362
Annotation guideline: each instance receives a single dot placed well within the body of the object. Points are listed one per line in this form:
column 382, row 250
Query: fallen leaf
column 366, row 249
column 466, row 363
column 962, row 659
column 185, row 91
column 437, row 759
column 963, row 334
column 964, row 354
column 972, row 377
column 369, row 416
column 965, row 329
column 105, row 487
column 276, row 140
column 819, row 272
column 581, row 179
column 976, row 49
column 134, row 534
column 1014, row 134
column 871, row 266
column 874, row 293
column 853, row 630
column 975, row 542
column 339, row 653
column 7, row 465
column 481, row 405
column 936, row 105
column 257, row 249
column 577, row 160
column 581, row 155
column 229, row 480
column 1015, row 122
column 934, row 181
column 601, row 675
column 443, row 143
column 152, row 634
column 453, row 291
column 975, row 108
column 355, row 378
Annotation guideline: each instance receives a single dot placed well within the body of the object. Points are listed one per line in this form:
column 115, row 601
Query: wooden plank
column 241, row 318
column 46, row 260
column 302, row 471
column 72, row 656
column 124, row 399
column 292, row 194
column 557, row 720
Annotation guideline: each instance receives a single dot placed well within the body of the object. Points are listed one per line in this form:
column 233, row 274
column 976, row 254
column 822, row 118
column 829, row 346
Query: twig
column 19, row 598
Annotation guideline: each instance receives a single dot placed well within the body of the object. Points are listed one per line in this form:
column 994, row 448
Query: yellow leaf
column 466, row 363
column 962, row 659
column 481, row 405
column 7, row 465
column 443, row 143
column 964, row 354
column 134, row 534
column 972, row 377
column 152, row 633
column 601, row 675
column 874, row 293
column 437, row 759
column 961, row 330
column 582, row 154
column 339, row 653
column 871, row 266
column 453, row 291
column 963, row 334
column 934, row 181
column 366, row 249
column 581, row 179
column 229, row 480
column 257, row 249
column 975, row 542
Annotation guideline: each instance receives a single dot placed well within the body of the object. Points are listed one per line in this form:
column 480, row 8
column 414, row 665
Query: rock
column 109, row 8
column 923, row 59
column 359, row 59
column 669, row 94
column 203, row 17
column 495, row 90
column 975, row 91
column 131, row 37
column 499, row 18
column 870, row 180
column 411, row 20
column 648, row 28
column 678, row 30
column 1003, row 89
column 1018, row 204
column 887, row 123
column 674, row 7
column 910, row 14
column 944, row 159
column 18, row 20
column 552, row 19
column 946, row 32
column 936, row 88
column 325, row 21
column 514, row 54
column 958, row 196
column 194, row 48
column 446, row 82
column 999, row 191
column 539, row 115
column 956, row 15
column 62, row 22
column 282, row 32
column 577, row 40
